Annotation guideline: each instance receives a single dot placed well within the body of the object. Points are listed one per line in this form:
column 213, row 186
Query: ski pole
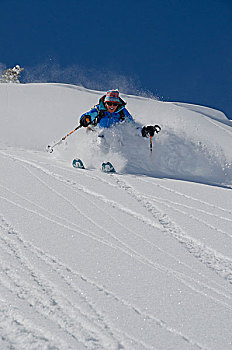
column 50, row 148
column 153, row 129
column 150, row 144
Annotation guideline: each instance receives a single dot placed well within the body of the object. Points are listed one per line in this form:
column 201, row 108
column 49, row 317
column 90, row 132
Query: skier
column 108, row 112
column 111, row 110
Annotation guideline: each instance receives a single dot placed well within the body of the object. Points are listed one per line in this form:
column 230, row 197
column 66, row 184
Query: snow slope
column 135, row 260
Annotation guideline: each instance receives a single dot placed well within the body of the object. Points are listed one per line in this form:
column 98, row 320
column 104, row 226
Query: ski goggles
column 112, row 103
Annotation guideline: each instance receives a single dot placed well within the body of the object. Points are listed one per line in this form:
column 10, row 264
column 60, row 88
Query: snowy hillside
column 140, row 259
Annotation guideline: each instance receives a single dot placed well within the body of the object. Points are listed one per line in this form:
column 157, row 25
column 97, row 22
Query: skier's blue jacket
column 99, row 114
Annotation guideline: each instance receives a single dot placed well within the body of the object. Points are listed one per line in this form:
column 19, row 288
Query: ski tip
column 77, row 163
column 107, row 168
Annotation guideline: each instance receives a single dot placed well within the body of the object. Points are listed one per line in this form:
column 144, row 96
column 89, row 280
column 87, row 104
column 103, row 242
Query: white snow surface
column 140, row 259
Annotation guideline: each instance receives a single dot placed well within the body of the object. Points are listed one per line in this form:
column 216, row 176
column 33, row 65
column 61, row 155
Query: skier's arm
column 128, row 116
column 88, row 117
column 146, row 131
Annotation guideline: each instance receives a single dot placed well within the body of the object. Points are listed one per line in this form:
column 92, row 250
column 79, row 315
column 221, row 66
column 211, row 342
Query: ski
column 77, row 163
column 106, row 167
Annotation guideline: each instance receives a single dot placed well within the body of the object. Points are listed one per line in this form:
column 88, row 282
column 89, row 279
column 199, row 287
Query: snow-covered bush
column 12, row 75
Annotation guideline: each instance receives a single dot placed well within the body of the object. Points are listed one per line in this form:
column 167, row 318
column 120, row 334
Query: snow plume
column 129, row 152
column 2, row 68
column 90, row 78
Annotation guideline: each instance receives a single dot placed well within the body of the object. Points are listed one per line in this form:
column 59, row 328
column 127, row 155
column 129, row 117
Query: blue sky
column 179, row 50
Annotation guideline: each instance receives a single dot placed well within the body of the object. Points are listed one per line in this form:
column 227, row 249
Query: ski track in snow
column 193, row 199
column 160, row 200
column 213, row 259
column 63, row 320
column 55, row 306
column 87, row 327
column 149, row 223
column 216, row 261
column 16, row 331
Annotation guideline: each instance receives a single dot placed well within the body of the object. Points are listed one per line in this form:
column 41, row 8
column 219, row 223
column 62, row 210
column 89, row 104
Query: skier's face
column 111, row 106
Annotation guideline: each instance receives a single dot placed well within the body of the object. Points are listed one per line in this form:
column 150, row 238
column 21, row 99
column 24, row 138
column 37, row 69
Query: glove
column 85, row 121
column 150, row 130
